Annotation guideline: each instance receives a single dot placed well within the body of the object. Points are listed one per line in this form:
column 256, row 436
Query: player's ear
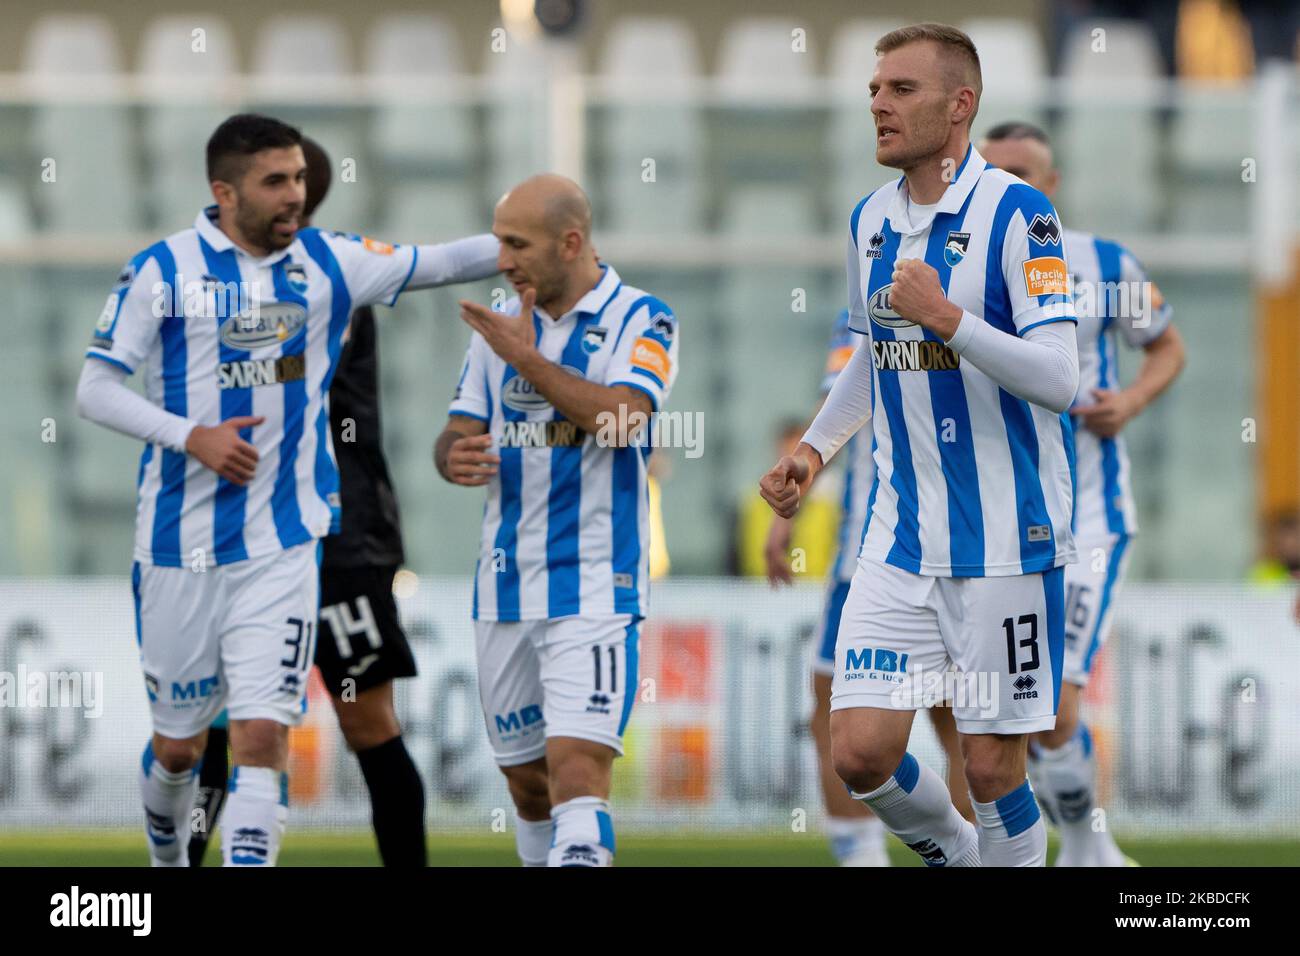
column 223, row 193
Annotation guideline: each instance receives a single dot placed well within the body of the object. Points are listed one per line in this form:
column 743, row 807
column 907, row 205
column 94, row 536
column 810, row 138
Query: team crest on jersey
column 593, row 338
column 954, row 250
column 296, row 276
column 271, row 324
column 882, row 314
column 874, row 244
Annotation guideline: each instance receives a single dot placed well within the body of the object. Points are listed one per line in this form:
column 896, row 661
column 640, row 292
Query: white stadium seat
column 1013, row 66
column 518, row 142
column 762, row 48
column 656, row 54
column 421, row 51
column 1108, row 149
column 177, row 127
column 855, row 171
column 316, row 45
column 88, row 143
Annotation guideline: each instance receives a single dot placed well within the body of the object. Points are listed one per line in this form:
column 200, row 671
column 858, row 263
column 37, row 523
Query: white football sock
column 533, row 840
column 1066, row 781
column 1011, row 831
column 168, row 798
column 857, row 841
column 915, row 806
column 584, row 833
column 257, row 808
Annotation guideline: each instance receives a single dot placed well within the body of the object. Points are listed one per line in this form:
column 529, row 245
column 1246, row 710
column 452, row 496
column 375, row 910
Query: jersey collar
column 968, row 174
column 206, row 226
column 595, row 300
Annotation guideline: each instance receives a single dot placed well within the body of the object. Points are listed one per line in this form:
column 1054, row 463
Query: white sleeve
column 472, row 397
column 378, row 272
column 646, row 353
column 847, row 408
column 1148, row 314
column 103, row 398
column 464, row 260
column 1042, row 366
column 853, row 269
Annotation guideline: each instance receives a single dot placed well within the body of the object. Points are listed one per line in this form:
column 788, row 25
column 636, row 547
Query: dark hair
column 1017, row 129
column 318, row 175
column 242, row 136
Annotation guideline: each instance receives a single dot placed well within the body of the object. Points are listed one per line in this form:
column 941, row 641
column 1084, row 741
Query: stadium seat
column 316, row 46
column 517, row 134
column 89, row 143
column 421, row 51
column 658, row 54
column 1014, row 70
column 852, row 134
column 1211, row 136
column 1109, row 148
column 422, row 211
column 762, row 48
column 177, row 126
column 764, row 130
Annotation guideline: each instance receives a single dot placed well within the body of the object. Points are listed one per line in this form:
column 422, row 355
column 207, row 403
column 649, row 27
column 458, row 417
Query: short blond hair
column 957, row 44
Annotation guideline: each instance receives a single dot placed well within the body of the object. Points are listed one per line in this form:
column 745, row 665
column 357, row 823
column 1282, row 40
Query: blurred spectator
column 1281, row 559
column 812, row 538
column 1214, row 42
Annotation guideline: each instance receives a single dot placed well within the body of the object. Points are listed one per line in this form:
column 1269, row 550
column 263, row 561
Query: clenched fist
column 917, row 295
column 784, row 485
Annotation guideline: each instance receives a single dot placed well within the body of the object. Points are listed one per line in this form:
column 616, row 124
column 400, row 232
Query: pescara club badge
column 954, row 250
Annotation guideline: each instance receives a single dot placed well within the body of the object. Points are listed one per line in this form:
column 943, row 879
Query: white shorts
column 240, row 635
column 992, row 646
column 1091, row 586
column 567, row 677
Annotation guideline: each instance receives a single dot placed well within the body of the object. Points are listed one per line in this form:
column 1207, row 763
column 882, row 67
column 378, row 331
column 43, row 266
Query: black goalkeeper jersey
column 371, row 535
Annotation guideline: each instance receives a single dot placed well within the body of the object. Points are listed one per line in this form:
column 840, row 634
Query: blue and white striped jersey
column 221, row 333
column 566, row 524
column 1112, row 297
column 970, row 480
column 861, row 470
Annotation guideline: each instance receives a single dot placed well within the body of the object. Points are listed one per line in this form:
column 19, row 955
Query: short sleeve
column 853, row 273
column 1033, row 260
column 1149, row 314
column 376, row 272
column 128, row 325
column 645, row 357
column 472, row 398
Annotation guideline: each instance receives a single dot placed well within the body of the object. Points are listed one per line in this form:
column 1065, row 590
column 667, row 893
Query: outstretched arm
column 463, row 260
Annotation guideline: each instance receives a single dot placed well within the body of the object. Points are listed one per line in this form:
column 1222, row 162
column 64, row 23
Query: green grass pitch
column 356, row 848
